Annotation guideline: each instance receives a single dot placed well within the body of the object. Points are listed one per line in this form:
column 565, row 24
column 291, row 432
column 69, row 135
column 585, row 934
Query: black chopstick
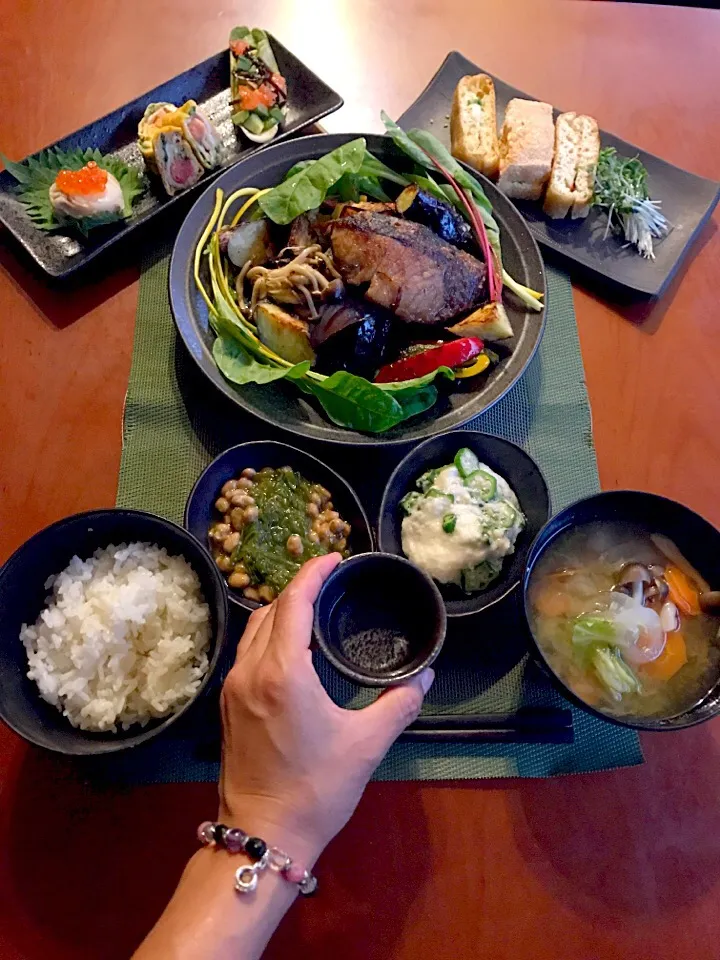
column 528, row 725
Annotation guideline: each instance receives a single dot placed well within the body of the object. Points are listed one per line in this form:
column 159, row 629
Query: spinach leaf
column 441, row 191
column 296, row 168
column 237, row 365
column 370, row 186
column 403, row 141
column 307, row 188
column 417, row 400
column 401, row 387
column 372, row 167
column 346, row 188
column 352, row 402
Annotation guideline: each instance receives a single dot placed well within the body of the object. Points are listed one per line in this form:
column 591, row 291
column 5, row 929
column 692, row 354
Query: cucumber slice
column 427, row 479
column 254, row 124
column 482, row 484
column 466, row 462
column 269, row 124
column 410, row 501
column 448, row 522
column 504, row 513
column 478, row 577
column 262, row 111
column 240, row 117
column 277, row 114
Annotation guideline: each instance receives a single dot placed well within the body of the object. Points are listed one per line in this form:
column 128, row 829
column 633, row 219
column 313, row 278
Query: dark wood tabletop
column 623, row 865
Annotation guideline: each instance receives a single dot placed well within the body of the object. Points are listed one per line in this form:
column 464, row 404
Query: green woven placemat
column 175, row 423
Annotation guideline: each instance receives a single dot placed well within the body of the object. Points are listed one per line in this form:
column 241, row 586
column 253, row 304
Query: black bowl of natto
column 200, row 510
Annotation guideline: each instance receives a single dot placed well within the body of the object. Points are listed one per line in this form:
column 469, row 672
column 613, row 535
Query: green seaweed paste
column 282, row 498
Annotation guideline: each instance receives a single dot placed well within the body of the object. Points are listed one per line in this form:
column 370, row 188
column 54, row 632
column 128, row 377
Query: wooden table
column 620, row 865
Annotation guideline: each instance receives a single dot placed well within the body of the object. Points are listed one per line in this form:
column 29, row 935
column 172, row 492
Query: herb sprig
column 621, row 191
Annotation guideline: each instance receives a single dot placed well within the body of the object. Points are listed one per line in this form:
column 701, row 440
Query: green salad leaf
column 307, row 188
column 401, row 388
column 296, row 168
column 238, row 366
column 416, row 400
column 36, row 174
column 354, row 402
column 365, row 182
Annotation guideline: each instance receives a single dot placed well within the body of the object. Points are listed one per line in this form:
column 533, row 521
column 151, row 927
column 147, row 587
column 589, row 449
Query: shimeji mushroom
column 646, row 586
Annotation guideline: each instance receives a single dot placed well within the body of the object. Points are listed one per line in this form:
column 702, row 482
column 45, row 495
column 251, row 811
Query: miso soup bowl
column 696, row 539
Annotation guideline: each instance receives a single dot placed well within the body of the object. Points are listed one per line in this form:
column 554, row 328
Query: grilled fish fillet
column 410, row 270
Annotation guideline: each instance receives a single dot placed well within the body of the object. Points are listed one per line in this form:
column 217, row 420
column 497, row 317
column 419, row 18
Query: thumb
column 396, row 708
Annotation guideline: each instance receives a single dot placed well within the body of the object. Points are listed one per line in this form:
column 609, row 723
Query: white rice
column 123, row 638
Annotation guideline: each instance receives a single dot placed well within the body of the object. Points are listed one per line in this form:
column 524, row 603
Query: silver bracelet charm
column 246, row 877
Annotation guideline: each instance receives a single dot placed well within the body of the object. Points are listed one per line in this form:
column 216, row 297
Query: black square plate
column 60, row 253
column 687, row 200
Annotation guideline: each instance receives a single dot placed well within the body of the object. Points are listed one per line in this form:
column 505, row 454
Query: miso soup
column 625, row 621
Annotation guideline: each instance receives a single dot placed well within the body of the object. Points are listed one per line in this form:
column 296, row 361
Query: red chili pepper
column 450, row 354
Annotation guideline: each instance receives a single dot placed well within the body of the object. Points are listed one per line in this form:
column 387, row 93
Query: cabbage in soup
column 625, row 621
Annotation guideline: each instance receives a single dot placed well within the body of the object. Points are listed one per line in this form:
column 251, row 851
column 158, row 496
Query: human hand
column 294, row 763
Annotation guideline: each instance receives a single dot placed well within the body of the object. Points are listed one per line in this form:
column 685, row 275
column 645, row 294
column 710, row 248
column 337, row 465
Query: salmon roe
column 88, row 180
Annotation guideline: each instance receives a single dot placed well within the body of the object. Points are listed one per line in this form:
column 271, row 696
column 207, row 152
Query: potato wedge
column 284, row 333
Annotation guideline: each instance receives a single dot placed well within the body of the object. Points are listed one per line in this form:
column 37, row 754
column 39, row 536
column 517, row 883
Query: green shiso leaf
column 36, row 174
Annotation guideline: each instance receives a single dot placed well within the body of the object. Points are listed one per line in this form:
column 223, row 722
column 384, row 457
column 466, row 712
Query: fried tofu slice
column 572, row 179
column 527, row 144
column 473, row 124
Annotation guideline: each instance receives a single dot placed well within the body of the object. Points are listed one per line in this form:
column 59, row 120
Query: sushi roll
column 177, row 165
column 202, row 136
column 90, row 193
column 158, row 117
column 258, row 91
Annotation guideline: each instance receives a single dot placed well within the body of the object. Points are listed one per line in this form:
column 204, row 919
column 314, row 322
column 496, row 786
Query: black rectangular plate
column 687, row 200
column 60, row 253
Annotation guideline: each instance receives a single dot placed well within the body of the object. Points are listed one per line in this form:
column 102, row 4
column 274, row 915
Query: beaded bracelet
column 235, row 840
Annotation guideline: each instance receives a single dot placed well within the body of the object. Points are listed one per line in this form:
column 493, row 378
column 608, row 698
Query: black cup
column 379, row 619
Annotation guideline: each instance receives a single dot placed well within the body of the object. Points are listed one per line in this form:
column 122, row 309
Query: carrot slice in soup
column 673, row 657
column 683, row 593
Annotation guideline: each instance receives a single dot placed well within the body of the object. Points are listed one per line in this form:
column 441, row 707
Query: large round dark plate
column 281, row 404
column 506, row 459
column 696, row 539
